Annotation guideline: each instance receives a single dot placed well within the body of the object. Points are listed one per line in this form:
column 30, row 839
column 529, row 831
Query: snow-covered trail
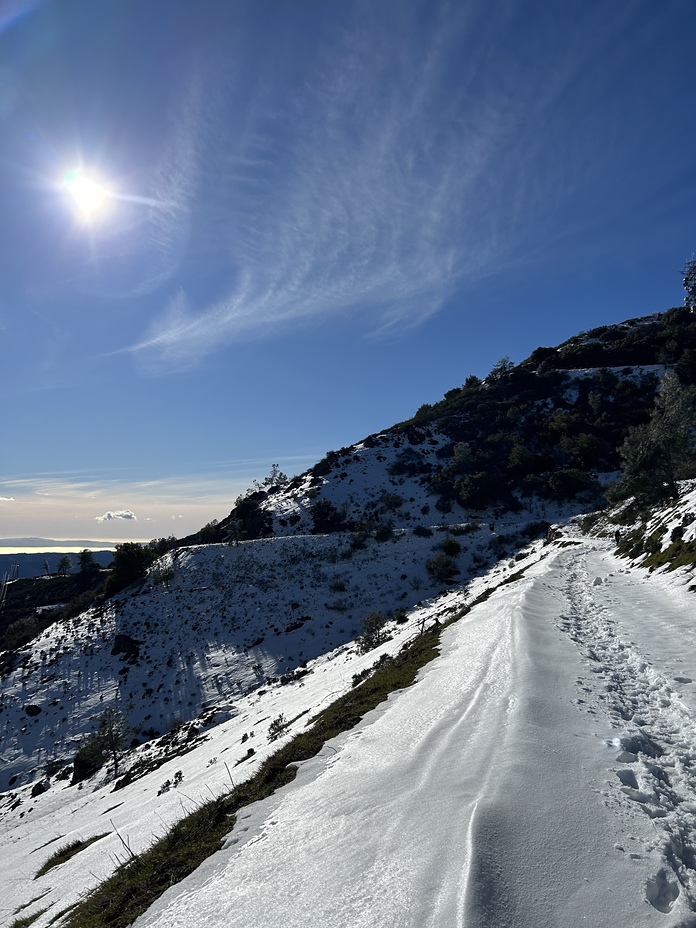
column 509, row 787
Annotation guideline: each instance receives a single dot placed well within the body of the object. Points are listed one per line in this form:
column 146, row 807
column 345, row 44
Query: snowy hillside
column 538, row 774
column 211, row 624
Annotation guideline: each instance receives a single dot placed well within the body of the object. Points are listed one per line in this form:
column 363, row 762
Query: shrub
column 327, row 518
column 391, row 501
column 566, row 484
column 422, row 531
column 277, row 728
column 254, row 522
column 384, row 531
column 441, row 567
column 108, row 742
column 372, row 632
column 210, row 533
column 443, row 504
column 451, row 546
column 131, row 563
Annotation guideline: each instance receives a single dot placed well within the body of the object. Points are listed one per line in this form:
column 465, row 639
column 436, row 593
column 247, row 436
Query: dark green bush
column 441, row 567
column 372, row 632
column 422, row 531
column 327, row 518
column 451, row 546
column 131, row 562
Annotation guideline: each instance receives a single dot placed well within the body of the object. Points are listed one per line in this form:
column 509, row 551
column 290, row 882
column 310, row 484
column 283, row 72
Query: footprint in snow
column 661, row 891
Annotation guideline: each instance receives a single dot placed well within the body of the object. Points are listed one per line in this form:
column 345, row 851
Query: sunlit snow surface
column 538, row 774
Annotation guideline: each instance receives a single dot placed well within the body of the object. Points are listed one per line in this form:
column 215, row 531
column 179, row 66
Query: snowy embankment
column 538, row 774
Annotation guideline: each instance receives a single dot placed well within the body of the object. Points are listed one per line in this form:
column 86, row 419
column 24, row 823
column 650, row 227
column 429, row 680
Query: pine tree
column 656, row 455
column 690, row 283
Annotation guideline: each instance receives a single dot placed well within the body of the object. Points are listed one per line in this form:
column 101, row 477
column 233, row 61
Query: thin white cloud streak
column 224, row 482
column 7, row 499
column 410, row 161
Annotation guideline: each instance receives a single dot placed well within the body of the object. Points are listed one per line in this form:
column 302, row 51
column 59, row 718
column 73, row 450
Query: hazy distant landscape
column 31, row 563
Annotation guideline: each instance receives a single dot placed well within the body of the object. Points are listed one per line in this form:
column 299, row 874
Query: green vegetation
column 372, row 632
column 131, row 562
column 678, row 553
column 34, row 604
column 442, row 567
column 107, row 743
column 277, row 728
column 64, row 853
column 327, row 518
column 450, row 546
column 27, row 920
column 531, row 430
column 657, row 454
column 86, row 562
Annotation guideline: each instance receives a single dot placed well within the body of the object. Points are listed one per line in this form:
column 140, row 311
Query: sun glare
column 89, row 196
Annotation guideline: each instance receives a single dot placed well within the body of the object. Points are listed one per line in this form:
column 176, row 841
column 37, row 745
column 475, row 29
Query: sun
column 89, row 196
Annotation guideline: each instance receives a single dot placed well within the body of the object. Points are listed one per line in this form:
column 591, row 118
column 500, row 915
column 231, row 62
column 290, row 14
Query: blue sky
column 315, row 216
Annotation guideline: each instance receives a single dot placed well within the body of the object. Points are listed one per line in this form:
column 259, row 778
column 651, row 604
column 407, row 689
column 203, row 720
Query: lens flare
column 89, row 196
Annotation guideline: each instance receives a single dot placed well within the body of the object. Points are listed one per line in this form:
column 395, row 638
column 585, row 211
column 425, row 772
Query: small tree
column 131, row 562
column 501, row 369
column 209, row 534
column 107, row 743
column 441, row 567
column 276, row 477
column 233, row 533
column 372, row 632
column 451, row 546
column 656, row 455
column 86, row 562
column 277, row 728
column 64, row 565
column 690, row 283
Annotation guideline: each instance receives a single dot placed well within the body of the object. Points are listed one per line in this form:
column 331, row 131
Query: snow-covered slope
column 211, row 624
column 540, row 773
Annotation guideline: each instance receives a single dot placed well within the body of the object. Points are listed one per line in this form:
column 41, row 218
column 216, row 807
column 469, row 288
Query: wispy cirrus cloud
column 407, row 160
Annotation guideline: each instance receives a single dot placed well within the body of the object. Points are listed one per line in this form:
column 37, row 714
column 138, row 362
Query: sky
column 246, row 232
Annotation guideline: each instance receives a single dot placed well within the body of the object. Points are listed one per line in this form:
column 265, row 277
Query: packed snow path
column 539, row 774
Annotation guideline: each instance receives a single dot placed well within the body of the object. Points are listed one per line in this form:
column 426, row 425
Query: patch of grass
column 518, row 574
column 678, row 554
column 28, row 919
column 31, row 902
column 66, row 852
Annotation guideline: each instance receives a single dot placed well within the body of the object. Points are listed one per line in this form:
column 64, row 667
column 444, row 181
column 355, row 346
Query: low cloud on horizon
column 118, row 514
